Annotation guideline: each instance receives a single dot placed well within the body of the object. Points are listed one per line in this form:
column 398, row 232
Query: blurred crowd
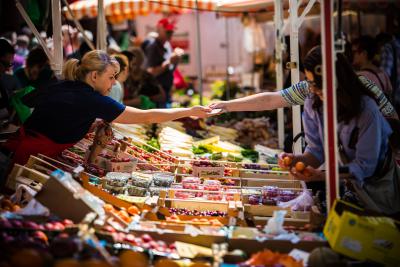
column 147, row 68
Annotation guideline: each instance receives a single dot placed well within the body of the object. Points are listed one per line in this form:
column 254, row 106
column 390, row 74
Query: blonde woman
column 65, row 111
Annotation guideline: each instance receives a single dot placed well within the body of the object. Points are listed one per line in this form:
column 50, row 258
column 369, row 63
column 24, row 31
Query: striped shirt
column 297, row 93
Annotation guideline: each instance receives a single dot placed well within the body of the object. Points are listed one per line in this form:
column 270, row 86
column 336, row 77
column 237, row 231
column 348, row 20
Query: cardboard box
column 361, row 237
column 65, row 197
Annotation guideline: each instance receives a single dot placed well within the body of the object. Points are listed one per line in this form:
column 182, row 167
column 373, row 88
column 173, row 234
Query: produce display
column 215, row 213
column 203, row 196
column 179, row 143
column 267, row 258
column 271, row 195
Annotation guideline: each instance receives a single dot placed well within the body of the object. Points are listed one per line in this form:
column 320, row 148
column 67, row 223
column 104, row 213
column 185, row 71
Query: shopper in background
column 117, row 90
column 21, row 51
column 364, row 50
column 159, row 62
column 64, row 112
column 390, row 63
column 141, row 88
column 36, row 72
column 8, row 84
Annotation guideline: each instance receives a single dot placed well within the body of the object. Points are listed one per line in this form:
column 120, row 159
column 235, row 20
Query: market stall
column 185, row 193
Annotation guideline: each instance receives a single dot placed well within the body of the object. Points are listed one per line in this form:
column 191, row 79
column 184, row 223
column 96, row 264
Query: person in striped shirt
column 296, row 95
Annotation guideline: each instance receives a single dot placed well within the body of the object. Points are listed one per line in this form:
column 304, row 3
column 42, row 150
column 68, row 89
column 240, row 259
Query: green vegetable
column 250, row 154
column 200, row 150
column 152, row 142
column 216, row 156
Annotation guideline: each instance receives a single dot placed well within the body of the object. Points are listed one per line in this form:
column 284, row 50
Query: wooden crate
column 168, row 199
column 22, row 171
column 262, row 181
column 262, row 210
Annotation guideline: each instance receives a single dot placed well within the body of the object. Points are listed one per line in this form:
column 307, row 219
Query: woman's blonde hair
column 95, row 60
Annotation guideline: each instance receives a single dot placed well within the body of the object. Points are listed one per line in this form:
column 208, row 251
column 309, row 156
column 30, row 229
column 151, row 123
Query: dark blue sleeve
column 106, row 108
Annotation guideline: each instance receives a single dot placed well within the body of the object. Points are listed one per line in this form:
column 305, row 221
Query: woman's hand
column 223, row 105
column 200, row 112
column 285, row 160
column 309, row 174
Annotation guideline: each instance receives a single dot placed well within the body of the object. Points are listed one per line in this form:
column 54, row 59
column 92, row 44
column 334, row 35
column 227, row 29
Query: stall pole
column 228, row 85
column 101, row 42
column 34, row 31
column 278, row 20
column 199, row 64
column 329, row 94
column 295, row 23
column 57, row 63
column 294, row 68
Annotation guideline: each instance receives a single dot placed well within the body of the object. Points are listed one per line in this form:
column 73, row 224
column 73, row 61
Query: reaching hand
column 222, row 105
column 200, row 112
column 285, row 160
column 309, row 174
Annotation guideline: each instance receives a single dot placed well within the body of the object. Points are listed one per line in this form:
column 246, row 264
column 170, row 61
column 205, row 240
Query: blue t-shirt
column 67, row 109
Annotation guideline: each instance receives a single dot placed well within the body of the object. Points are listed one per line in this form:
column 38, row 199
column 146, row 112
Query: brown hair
column 122, row 60
column 95, row 60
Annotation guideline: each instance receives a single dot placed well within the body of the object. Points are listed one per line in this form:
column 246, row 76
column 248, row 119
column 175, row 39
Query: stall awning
column 119, row 10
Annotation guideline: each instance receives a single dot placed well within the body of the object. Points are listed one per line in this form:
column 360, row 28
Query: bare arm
column 257, row 102
column 133, row 115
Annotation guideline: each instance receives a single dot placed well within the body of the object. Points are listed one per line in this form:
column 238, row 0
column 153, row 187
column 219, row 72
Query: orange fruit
column 287, row 161
column 16, row 208
column 108, row 207
column 133, row 210
column 300, row 166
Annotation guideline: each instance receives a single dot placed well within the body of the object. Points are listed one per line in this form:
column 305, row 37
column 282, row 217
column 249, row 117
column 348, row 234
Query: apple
column 146, row 238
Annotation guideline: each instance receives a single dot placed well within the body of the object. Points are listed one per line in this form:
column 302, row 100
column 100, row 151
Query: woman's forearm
column 133, row 115
column 257, row 102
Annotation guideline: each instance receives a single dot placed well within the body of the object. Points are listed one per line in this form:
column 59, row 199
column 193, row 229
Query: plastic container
column 141, row 182
column 214, row 196
column 137, row 191
column 191, row 183
column 116, row 179
column 114, row 189
column 212, row 185
column 163, row 179
column 270, row 191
